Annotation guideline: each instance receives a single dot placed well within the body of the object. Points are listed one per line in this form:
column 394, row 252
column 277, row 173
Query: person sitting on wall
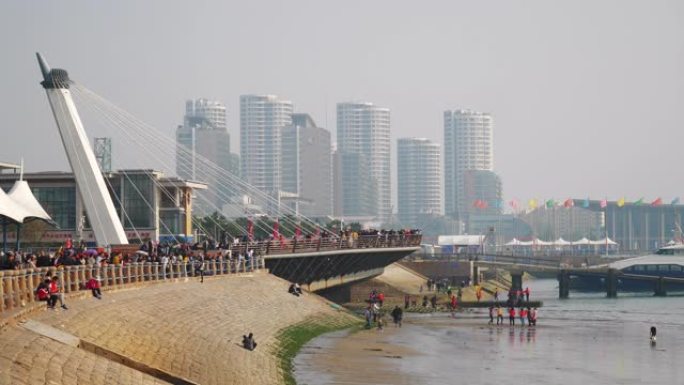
column 248, row 342
column 94, row 285
column 293, row 290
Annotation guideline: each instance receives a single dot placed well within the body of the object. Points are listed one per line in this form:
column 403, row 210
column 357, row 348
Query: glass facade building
column 149, row 205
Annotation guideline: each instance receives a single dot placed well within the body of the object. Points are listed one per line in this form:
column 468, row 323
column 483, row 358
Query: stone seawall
column 182, row 332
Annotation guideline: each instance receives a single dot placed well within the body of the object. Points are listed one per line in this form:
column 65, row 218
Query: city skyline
column 610, row 91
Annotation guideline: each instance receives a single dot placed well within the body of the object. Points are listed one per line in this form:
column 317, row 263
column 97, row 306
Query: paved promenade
column 190, row 330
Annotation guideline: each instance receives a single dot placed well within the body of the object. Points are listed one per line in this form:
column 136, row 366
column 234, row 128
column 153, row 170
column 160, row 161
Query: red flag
column 276, row 233
column 250, row 229
column 657, row 202
column 298, row 232
column 318, row 231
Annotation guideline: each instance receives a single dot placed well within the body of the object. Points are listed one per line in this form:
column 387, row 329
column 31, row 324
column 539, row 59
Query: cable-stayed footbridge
column 309, row 254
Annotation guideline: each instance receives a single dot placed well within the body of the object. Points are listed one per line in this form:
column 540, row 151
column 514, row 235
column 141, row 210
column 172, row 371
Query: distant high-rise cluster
column 468, row 145
column 294, row 163
column 419, row 181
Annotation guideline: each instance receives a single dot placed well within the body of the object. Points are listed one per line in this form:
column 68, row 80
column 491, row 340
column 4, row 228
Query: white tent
column 561, row 242
column 514, row 242
column 22, row 195
column 539, row 242
column 603, row 242
column 582, row 242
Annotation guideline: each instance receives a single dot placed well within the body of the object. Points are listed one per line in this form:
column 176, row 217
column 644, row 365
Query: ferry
column 667, row 261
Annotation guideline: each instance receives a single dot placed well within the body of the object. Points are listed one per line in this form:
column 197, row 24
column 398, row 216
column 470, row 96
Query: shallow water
column 587, row 339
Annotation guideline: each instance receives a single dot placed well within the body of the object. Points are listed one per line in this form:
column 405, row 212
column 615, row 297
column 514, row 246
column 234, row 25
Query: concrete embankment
column 185, row 333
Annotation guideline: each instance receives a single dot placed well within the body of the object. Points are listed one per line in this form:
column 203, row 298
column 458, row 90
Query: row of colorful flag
column 550, row 203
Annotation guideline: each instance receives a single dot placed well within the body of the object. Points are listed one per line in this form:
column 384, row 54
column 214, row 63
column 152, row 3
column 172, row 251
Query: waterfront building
column 262, row 119
column 306, row 163
column 483, row 193
column 569, row 223
column 639, row 226
column 149, row 205
column 204, row 134
column 419, row 184
column 499, row 228
column 363, row 142
column 468, row 145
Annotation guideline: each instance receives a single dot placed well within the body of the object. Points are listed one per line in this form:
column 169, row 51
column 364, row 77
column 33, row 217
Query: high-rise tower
column 204, row 133
column 468, row 145
column 363, row 143
column 419, row 181
column 262, row 118
column 306, row 165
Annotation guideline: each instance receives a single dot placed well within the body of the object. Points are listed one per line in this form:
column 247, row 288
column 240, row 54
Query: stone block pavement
column 189, row 329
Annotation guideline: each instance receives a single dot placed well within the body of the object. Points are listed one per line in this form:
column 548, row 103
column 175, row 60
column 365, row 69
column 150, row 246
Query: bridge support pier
column 516, row 280
column 611, row 283
column 475, row 273
column 660, row 288
column 563, row 284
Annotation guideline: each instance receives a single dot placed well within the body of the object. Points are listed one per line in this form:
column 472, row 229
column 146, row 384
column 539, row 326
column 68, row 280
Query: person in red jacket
column 381, row 298
column 43, row 291
column 511, row 316
column 523, row 315
column 94, row 285
column 56, row 294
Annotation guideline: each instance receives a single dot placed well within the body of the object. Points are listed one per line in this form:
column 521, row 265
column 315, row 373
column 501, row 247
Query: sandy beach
column 588, row 341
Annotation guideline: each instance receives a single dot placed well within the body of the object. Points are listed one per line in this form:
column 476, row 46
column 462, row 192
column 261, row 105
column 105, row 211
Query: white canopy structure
column 561, row 242
column 21, row 194
column 603, row 242
column 583, row 241
column 12, row 210
column 514, row 242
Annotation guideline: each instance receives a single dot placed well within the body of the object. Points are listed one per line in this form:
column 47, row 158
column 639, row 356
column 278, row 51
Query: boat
column 667, row 261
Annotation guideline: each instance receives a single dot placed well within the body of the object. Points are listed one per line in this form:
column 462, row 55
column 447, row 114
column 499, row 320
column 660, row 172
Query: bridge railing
column 18, row 287
column 303, row 245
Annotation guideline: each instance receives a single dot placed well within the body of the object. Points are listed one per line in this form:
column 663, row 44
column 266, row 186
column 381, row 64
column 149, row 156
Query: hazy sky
column 587, row 96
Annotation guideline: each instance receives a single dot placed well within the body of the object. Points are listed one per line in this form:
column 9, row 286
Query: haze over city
column 586, row 96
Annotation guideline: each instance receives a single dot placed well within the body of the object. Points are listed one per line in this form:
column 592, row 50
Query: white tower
column 98, row 204
column 468, row 145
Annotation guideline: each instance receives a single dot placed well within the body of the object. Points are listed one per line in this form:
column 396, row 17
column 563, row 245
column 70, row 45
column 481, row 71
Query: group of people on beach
column 524, row 313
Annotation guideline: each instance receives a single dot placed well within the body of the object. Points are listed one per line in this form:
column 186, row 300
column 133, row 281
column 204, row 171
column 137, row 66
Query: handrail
column 17, row 287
